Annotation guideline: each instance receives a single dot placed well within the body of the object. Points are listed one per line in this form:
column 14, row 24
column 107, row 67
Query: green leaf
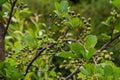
column 18, row 47
column 78, row 49
column 28, row 76
column 99, row 70
column 75, row 22
column 84, row 71
column 66, row 54
column 116, row 74
column 117, row 25
column 116, row 3
column 91, row 41
column 29, row 40
column 53, row 73
column 108, row 70
column 64, row 5
column 90, row 53
column 11, row 61
column 58, row 7
column 56, row 11
column 108, row 21
column 90, row 68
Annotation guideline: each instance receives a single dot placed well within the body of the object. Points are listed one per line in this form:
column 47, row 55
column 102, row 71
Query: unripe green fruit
column 56, row 23
column 85, row 21
column 110, row 58
column 65, row 61
column 72, row 61
column 87, row 32
column 83, row 18
column 89, row 19
column 78, row 15
column 102, row 54
column 87, row 24
column 99, row 58
column 76, row 61
column 79, row 64
column 104, row 51
column 69, row 57
column 72, row 12
column 59, row 73
column 50, row 15
column 111, row 53
column 58, row 77
column 107, row 56
column 61, row 66
column 66, row 67
column 74, row 15
column 118, row 15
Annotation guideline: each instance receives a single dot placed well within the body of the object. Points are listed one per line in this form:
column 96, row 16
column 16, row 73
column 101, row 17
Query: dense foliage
column 62, row 44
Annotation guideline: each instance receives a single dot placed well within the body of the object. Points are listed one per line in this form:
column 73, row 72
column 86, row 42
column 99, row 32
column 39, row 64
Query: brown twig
column 77, row 70
column 39, row 53
column 106, row 45
column 10, row 17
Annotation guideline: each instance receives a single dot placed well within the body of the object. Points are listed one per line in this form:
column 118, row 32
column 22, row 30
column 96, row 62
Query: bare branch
column 106, row 45
column 39, row 53
column 10, row 16
column 77, row 70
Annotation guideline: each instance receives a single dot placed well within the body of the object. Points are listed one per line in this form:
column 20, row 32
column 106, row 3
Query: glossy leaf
column 116, row 3
column 90, row 53
column 84, row 71
column 75, row 22
column 108, row 70
column 117, row 25
column 64, row 6
column 66, row 54
column 12, row 61
column 28, row 76
column 18, row 47
column 108, row 21
column 91, row 41
column 78, row 49
column 58, row 7
column 53, row 73
column 99, row 70
column 116, row 74
column 90, row 68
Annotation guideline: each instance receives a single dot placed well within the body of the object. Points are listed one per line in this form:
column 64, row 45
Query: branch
column 10, row 17
column 101, row 49
column 77, row 70
column 107, row 44
column 39, row 53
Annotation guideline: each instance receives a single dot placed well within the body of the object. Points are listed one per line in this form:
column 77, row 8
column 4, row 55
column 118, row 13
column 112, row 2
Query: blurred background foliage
column 98, row 10
column 88, row 8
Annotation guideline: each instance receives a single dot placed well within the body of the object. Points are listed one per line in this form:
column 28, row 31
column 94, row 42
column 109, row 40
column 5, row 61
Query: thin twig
column 10, row 17
column 39, row 53
column 77, row 70
column 94, row 61
column 106, row 45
